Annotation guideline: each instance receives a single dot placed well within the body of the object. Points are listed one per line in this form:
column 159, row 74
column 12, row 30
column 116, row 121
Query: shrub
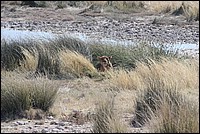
column 105, row 120
column 151, row 100
column 181, row 118
column 42, row 56
column 11, row 55
column 75, row 63
column 126, row 56
column 162, row 99
column 19, row 94
column 191, row 12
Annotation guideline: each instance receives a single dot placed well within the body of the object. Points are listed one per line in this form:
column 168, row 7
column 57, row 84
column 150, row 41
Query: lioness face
column 105, row 63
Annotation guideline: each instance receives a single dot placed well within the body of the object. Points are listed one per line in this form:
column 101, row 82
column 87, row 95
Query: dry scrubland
column 151, row 87
column 155, row 87
column 189, row 9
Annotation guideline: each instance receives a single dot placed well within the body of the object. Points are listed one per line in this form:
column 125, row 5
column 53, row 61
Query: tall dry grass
column 160, row 85
column 182, row 74
column 161, row 100
column 75, row 63
column 181, row 118
column 123, row 79
column 42, row 57
column 189, row 9
column 106, row 120
column 19, row 94
column 166, row 110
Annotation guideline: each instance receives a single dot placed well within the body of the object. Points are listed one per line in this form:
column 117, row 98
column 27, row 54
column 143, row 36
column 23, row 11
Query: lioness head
column 105, row 63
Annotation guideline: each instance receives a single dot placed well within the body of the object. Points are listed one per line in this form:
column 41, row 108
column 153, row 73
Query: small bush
column 34, row 4
column 105, row 120
column 181, row 118
column 61, row 4
column 11, row 55
column 163, row 85
column 126, row 56
column 76, row 64
column 191, row 12
column 41, row 56
column 19, row 94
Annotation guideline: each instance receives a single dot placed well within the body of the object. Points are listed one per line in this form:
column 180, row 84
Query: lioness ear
column 110, row 57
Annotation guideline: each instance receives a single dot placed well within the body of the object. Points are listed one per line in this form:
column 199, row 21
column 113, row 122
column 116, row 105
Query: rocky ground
column 135, row 27
column 50, row 125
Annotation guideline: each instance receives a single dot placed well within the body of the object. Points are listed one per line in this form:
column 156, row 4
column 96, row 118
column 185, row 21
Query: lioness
column 104, row 64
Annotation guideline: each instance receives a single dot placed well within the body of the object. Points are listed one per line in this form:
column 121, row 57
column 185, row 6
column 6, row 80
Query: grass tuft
column 19, row 94
column 181, row 118
column 106, row 120
column 75, row 63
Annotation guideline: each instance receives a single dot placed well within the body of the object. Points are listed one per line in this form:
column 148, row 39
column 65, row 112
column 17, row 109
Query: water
column 9, row 34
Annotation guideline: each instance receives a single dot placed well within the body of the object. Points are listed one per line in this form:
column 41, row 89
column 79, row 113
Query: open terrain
column 86, row 100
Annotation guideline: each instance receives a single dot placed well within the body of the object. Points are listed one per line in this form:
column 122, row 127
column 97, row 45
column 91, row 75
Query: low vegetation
column 19, row 94
column 153, row 77
column 189, row 9
column 106, row 120
column 181, row 118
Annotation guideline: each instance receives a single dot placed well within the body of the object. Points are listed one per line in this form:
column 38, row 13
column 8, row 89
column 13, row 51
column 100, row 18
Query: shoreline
column 108, row 28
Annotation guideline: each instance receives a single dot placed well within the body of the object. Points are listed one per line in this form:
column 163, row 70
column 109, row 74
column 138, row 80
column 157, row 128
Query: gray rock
column 50, row 117
column 44, row 130
column 61, row 124
column 55, row 130
column 22, row 122
column 53, row 123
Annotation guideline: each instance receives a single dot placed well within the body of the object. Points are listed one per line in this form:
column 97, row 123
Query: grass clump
column 166, row 110
column 11, row 55
column 75, row 63
column 150, row 102
column 19, row 94
column 42, row 56
column 182, row 74
column 162, row 101
column 123, row 79
column 183, row 118
column 52, row 60
column 15, row 98
column 126, row 56
column 64, row 42
column 189, row 10
column 106, row 120
column 48, row 63
column 43, row 93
